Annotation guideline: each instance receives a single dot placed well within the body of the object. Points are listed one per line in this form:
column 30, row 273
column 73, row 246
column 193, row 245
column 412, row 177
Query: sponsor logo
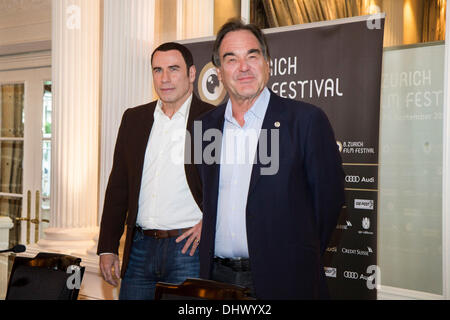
column 356, row 147
column 351, row 275
column 372, row 278
column 330, row 272
column 366, row 226
column 345, row 226
column 364, row 204
column 366, row 223
column 357, row 179
column 352, row 179
column 210, row 88
column 358, row 252
column 339, row 145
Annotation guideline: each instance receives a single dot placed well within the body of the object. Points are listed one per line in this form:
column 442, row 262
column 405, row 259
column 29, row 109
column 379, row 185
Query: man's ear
column 192, row 73
column 219, row 75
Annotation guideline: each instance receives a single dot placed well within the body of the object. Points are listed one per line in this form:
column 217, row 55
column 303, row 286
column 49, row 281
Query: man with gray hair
column 267, row 231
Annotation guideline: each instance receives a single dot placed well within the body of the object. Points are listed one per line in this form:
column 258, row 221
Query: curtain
column 258, row 15
column 288, row 12
column 280, row 13
column 434, row 20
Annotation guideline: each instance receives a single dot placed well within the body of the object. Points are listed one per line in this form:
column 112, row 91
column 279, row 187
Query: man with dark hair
column 187, row 55
column 152, row 190
column 266, row 230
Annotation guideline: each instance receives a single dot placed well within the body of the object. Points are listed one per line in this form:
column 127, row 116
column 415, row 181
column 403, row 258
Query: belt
column 238, row 265
column 161, row 234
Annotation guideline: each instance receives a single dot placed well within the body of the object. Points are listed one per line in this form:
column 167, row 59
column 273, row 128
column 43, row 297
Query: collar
column 183, row 111
column 258, row 109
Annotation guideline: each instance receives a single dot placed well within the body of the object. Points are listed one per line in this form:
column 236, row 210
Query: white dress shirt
column 238, row 154
column 165, row 200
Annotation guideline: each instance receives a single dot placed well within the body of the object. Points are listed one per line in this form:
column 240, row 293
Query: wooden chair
column 45, row 277
column 201, row 289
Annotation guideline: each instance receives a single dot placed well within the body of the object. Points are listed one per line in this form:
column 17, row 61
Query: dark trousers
column 227, row 274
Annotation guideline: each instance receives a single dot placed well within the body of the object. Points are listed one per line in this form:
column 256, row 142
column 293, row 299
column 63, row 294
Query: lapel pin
column 277, row 124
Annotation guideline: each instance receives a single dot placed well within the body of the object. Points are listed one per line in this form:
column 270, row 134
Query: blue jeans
column 154, row 260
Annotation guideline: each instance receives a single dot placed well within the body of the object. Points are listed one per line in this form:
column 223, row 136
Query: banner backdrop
column 336, row 66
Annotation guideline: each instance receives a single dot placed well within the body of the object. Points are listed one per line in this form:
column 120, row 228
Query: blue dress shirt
column 239, row 145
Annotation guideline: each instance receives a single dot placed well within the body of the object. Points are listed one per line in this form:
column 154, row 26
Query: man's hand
column 108, row 262
column 194, row 238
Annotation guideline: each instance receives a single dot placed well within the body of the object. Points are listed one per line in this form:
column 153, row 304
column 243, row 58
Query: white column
column 196, row 19
column 128, row 41
column 75, row 126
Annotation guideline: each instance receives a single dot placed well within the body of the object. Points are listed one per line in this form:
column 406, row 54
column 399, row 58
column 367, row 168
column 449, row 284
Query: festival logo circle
column 210, row 88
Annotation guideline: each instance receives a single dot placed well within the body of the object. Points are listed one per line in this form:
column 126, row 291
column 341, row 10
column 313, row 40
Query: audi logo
column 351, row 275
column 353, row 179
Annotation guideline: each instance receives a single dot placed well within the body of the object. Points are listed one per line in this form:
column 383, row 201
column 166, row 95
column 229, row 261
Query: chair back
column 201, row 289
column 48, row 276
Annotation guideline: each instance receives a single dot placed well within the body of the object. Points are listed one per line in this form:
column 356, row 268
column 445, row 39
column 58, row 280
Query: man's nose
column 243, row 65
column 165, row 76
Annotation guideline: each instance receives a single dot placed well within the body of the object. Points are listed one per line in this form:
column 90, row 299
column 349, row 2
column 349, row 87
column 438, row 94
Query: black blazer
column 290, row 215
column 122, row 193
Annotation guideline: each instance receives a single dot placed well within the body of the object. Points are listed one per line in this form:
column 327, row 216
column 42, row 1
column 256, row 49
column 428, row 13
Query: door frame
column 25, row 68
column 33, row 80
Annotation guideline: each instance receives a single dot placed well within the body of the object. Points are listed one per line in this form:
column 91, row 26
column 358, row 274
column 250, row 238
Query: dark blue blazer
column 291, row 215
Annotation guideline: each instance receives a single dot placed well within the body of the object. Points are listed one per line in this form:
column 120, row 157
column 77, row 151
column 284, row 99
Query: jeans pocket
column 138, row 236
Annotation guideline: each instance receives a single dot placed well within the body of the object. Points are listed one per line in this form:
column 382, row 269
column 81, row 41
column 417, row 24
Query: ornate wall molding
column 26, row 61
column 13, row 6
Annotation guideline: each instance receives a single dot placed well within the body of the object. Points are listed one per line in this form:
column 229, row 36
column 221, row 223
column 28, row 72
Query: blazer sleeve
column 325, row 174
column 116, row 197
